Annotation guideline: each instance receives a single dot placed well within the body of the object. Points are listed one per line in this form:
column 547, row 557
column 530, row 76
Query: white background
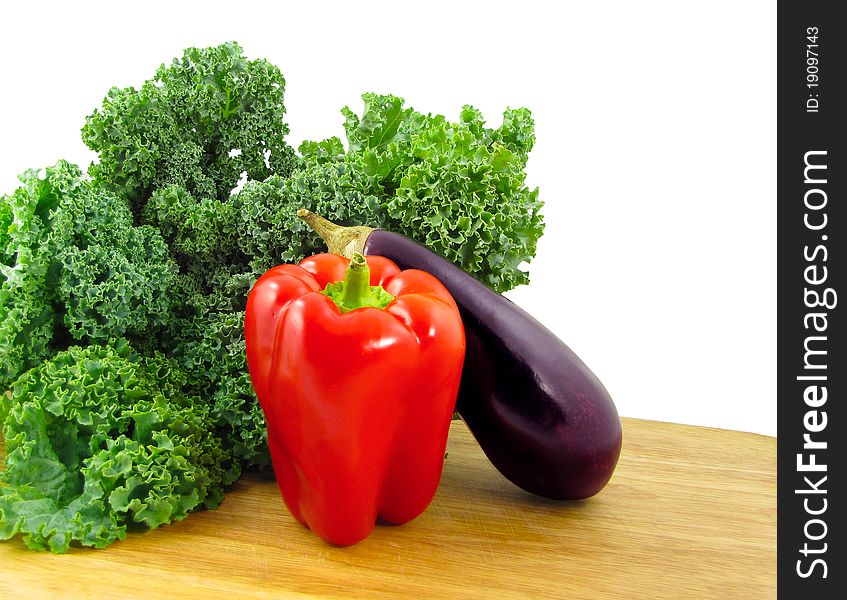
column 655, row 154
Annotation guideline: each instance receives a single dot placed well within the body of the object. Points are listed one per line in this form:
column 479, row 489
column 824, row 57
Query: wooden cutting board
column 689, row 513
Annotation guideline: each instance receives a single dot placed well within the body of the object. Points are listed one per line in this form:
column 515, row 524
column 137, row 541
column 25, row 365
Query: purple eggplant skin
column 540, row 415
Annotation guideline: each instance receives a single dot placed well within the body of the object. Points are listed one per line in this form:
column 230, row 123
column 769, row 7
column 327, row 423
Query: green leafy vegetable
column 457, row 187
column 76, row 269
column 460, row 188
column 200, row 122
column 96, row 438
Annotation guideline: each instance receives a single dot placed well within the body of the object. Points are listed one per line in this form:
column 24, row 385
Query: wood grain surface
column 689, row 513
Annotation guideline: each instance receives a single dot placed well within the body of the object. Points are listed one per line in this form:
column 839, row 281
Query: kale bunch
column 99, row 437
column 88, row 259
column 175, row 149
column 76, row 269
column 200, row 122
column 459, row 188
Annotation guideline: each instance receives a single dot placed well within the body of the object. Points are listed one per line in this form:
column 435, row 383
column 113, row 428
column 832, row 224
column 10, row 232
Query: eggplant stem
column 338, row 239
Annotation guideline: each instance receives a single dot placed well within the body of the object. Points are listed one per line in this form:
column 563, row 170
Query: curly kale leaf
column 206, row 332
column 201, row 122
column 76, row 269
column 198, row 232
column 27, row 319
column 98, row 438
column 460, row 188
column 6, row 216
column 210, row 348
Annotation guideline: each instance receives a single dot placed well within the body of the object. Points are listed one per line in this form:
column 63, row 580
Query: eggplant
column 543, row 419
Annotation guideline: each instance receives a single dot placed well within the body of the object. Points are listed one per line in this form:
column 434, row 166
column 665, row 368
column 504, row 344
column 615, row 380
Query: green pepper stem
column 357, row 284
column 356, row 290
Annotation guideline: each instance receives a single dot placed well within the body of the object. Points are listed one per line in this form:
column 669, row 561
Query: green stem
column 356, row 291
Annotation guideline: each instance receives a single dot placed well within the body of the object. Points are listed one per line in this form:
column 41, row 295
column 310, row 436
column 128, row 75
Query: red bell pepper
column 357, row 369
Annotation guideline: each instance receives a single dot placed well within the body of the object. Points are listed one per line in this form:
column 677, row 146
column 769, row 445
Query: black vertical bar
column 811, row 226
